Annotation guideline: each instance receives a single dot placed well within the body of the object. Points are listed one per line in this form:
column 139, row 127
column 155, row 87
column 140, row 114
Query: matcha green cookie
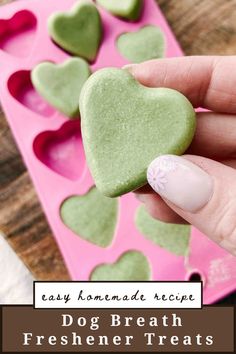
column 79, row 32
column 91, row 216
column 172, row 237
column 145, row 44
column 131, row 266
column 126, row 125
column 128, row 9
column 60, row 85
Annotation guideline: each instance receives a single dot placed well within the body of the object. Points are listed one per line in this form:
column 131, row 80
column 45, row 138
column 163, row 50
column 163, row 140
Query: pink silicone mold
column 53, row 151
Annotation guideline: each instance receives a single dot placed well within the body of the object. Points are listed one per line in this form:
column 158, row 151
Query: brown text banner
column 25, row 329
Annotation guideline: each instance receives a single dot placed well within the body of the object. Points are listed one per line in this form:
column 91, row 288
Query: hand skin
column 208, row 82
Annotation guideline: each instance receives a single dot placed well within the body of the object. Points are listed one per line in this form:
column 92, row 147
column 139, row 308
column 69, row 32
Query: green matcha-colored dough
column 79, row 32
column 128, row 9
column 145, row 44
column 91, row 216
column 172, row 237
column 60, row 85
column 131, row 266
column 126, row 125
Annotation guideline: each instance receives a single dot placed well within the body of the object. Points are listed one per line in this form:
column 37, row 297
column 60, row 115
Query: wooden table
column 202, row 27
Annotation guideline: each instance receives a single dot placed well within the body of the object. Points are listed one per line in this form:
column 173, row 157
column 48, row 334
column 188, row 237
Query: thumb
column 201, row 191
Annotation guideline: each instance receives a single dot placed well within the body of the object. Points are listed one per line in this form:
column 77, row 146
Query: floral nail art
column 181, row 182
column 158, row 170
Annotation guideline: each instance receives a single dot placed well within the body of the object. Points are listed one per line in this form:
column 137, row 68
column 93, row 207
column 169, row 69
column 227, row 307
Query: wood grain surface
column 201, row 27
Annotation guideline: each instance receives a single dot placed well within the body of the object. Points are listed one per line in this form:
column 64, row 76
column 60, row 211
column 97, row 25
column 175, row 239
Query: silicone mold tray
column 52, row 148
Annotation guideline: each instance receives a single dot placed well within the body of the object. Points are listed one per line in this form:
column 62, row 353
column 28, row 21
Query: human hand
column 199, row 187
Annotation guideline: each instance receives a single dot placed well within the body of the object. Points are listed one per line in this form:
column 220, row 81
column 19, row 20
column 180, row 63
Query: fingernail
column 181, row 182
column 129, row 67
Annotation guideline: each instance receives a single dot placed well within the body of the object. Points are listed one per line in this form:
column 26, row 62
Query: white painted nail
column 181, row 182
column 129, row 67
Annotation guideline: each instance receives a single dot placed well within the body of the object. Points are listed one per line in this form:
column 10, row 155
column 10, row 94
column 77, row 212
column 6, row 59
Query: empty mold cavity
column 62, row 150
column 17, row 33
column 21, row 88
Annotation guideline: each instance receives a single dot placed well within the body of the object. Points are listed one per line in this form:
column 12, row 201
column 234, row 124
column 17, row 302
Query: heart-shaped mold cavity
column 131, row 266
column 60, row 84
column 145, row 44
column 174, row 238
column 21, row 88
column 78, row 31
column 129, row 9
column 62, row 150
column 91, row 216
column 17, row 33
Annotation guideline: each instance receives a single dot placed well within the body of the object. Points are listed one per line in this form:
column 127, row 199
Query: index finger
column 207, row 81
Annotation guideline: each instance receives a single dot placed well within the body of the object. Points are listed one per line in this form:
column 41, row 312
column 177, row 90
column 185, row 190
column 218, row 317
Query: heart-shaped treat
column 131, row 266
column 145, row 44
column 79, row 32
column 128, row 9
column 91, row 216
column 126, row 125
column 174, row 238
column 60, row 85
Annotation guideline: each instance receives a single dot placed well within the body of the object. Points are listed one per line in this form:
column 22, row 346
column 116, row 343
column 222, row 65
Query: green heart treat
column 132, row 265
column 145, row 44
column 91, row 216
column 79, row 32
column 128, row 9
column 126, row 125
column 61, row 84
column 174, row 238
